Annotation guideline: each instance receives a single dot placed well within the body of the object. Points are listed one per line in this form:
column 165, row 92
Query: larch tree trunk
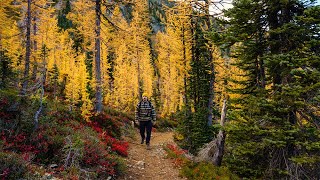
column 28, row 51
column 55, row 79
column 35, row 48
column 2, row 83
column 42, row 81
column 140, row 82
column 98, row 96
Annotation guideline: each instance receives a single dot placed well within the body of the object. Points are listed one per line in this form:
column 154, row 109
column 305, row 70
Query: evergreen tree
column 274, row 132
column 196, row 128
column 63, row 22
column 97, row 50
column 53, row 76
column 86, row 102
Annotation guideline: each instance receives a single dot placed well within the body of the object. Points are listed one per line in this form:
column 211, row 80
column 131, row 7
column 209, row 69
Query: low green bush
column 164, row 124
column 13, row 166
column 204, row 170
column 197, row 171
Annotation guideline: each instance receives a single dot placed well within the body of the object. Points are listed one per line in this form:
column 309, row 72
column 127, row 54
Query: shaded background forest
column 255, row 66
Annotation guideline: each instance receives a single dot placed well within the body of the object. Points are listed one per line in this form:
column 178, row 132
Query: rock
column 140, row 164
column 53, row 165
column 109, row 178
column 47, row 176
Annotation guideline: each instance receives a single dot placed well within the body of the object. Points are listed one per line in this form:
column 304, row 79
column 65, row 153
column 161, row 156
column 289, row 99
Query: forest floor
column 150, row 164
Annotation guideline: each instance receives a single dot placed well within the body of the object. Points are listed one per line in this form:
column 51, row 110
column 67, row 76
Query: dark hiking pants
column 143, row 126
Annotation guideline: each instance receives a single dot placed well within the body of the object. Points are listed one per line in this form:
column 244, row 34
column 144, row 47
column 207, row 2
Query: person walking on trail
column 146, row 116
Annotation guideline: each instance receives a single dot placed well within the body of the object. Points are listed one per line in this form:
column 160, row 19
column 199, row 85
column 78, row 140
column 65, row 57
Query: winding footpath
column 152, row 164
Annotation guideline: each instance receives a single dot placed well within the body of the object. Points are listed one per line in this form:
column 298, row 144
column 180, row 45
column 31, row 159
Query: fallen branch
column 214, row 150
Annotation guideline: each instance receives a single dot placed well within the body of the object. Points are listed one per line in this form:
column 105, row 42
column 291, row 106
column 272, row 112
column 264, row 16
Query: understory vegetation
column 64, row 145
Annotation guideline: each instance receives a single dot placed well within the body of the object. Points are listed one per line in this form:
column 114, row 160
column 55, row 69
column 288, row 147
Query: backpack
column 149, row 111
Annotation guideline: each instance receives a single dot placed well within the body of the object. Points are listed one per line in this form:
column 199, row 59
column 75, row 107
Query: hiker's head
column 145, row 96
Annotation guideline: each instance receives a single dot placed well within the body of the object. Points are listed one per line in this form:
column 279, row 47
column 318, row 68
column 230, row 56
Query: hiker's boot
column 142, row 141
column 148, row 146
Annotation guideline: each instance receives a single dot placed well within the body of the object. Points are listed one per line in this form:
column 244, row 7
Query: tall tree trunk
column 4, row 65
column 211, row 79
column 262, row 73
column 261, row 61
column 211, row 94
column 98, row 102
column 195, row 57
column 2, row 83
column 43, row 80
column 28, row 52
column 186, row 102
column 55, row 84
column 140, row 84
column 35, row 48
column 273, row 21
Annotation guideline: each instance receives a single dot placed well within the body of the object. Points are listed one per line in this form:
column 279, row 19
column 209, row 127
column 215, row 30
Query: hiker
column 146, row 116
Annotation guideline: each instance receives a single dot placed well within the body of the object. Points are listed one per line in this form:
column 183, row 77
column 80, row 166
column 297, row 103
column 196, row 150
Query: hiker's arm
column 153, row 114
column 137, row 114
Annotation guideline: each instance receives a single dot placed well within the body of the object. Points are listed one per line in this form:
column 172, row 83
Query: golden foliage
column 174, row 56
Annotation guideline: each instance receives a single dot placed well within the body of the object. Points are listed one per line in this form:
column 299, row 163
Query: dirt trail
column 151, row 164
